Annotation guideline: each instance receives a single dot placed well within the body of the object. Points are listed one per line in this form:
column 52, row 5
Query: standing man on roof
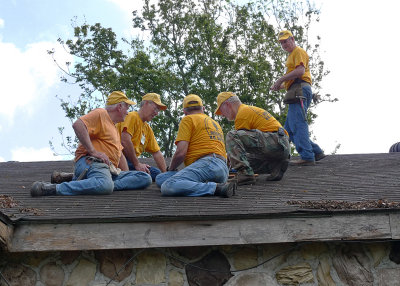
column 98, row 154
column 200, row 145
column 297, row 80
column 258, row 143
column 137, row 136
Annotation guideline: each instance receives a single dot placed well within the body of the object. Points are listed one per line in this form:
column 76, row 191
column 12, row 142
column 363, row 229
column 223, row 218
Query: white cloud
column 2, row 159
column 128, row 6
column 29, row 154
column 1, row 23
column 26, row 76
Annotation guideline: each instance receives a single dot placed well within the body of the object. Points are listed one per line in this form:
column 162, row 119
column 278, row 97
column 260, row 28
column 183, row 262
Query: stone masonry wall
column 324, row 264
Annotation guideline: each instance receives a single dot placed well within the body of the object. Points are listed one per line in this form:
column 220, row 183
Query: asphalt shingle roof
column 350, row 178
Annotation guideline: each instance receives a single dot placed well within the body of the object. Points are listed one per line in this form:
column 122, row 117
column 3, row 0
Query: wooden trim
column 395, row 225
column 6, row 232
column 59, row 237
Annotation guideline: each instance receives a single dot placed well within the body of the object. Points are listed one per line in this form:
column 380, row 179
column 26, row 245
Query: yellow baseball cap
column 117, row 97
column 284, row 35
column 154, row 97
column 192, row 100
column 221, row 98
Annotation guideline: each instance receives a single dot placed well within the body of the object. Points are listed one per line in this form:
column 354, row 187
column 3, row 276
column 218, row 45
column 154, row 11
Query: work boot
column 60, row 177
column 226, row 190
column 243, row 179
column 278, row 171
column 302, row 162
column 43, row 189
column 320, row 156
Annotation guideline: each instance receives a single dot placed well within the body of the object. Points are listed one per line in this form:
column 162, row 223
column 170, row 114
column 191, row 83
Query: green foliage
column 202, row 47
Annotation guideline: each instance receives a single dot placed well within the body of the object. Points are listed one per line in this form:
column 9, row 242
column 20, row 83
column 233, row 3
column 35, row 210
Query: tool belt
column 295, row 92
column 113, row 170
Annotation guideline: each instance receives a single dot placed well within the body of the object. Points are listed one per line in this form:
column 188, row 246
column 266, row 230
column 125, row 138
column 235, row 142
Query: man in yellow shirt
column 298, row 77
column 258, row 143
column 98, row 151
column 200, row 145
column 138, row 137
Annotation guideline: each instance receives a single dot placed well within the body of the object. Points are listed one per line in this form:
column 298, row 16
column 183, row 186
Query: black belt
column 214, row 155
column 297, row 80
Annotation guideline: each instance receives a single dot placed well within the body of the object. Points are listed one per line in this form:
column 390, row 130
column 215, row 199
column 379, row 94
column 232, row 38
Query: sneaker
column 245, row 179
column 226, row 190
column 302, row 162
column 278, row 171
column 60, row 177
column 43, row 189
column 320, row 156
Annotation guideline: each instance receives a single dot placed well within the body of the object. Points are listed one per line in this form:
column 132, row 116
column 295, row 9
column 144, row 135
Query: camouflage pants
column 254, row 151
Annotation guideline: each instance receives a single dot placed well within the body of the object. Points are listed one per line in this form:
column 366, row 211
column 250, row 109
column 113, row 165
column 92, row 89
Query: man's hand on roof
column 142, row 167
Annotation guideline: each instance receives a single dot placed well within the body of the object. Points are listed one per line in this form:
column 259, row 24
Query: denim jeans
column 99, row 181
column 297, row 127
column 153, row 170
column 198, row 179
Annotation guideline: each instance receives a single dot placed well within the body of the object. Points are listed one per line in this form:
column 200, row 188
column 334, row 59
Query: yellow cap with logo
column 117, row 97
column 155, row 97
column 221, row 98
column 192, row 100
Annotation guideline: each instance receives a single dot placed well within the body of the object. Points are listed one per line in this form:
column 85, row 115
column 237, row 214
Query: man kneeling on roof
column 200, row 145
column 98, row 152
column 259, row 143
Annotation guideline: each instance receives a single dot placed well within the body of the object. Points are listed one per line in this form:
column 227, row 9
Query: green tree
column 200, row 47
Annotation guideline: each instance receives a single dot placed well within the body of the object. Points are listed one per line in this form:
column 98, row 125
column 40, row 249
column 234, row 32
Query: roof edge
column 100, row 236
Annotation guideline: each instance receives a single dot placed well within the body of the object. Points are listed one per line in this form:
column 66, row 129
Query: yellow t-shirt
column 142, row 135
column 103, row 134
column 252, row 117
column 205, row 136
column 296, row 58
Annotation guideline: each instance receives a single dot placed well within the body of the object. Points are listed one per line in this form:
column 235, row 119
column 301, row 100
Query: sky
column 358, row 38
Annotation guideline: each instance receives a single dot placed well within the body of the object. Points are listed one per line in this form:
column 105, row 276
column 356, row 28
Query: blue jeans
column 198, row 179
column 153, row 170
column 297, row 127
column 99, row 181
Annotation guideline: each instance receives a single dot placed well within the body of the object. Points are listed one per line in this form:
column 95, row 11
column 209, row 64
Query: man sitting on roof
column 137, row 136
column 258, row 144
column 98, row 152
column 200, row 145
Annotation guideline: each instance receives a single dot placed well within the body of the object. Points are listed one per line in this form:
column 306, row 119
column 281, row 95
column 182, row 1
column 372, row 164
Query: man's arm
column 160, row 161
column 129, row 152
column 123, row 165
column 180, row 154
column 296, row 73
column 84, row 138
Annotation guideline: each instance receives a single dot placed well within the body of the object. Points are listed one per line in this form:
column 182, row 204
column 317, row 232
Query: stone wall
column 324, row 264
